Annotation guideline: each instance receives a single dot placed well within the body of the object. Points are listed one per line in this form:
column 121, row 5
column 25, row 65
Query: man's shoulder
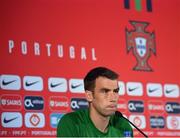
column 70, row 123
column 76, row 116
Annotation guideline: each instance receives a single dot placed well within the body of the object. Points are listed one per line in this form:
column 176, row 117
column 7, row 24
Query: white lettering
column 93, row 55
column 122, row 106
column 60, row 51
column 24, row 47
column 11, row 102
column 155, row 107
column 45, row 133
column 38, row 102
column 36, row 48
column 3, row 101
column 168, row 133
column 3, row 133
column 48, row 49
column 11, row 45
column 14, row 102
column 71, row 52
column 83, row 53
column 19, row 133
column 61, row 104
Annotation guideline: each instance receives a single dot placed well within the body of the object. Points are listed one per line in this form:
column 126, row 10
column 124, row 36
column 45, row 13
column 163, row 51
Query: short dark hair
column 92, row 75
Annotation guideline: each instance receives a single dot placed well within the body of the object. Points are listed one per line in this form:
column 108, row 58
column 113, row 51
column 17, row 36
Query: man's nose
column 113, row 96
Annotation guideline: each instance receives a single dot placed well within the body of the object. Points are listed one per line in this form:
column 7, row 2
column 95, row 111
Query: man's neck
column 100, row 122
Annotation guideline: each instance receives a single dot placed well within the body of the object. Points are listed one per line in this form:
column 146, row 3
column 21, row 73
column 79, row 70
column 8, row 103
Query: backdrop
column 47, row 47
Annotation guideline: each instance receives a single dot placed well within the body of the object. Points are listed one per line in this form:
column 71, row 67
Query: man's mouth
column 112, row 106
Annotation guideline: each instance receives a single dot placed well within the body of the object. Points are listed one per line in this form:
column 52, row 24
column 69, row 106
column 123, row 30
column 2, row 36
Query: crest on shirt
column 142, row 44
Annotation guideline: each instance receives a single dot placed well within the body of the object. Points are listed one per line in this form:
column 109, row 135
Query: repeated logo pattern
column 161, row 114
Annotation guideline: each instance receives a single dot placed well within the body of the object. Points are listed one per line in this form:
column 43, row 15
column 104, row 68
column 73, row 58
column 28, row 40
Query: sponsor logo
column 54, row 119
column 138, row 120
column 155, row 107
column 172, row 107
column 157, row 122
column 11, row 102
column 136, row 106
column 10, row 82
column 121, row 87
column 127, row 134
column 78, row 103
column 27, row 84
column 134, row 89
column 142, row 43
column 34, row 120
column 33, row 103
column 173, row 122
column 11, row 119
column 171, row 90
column 154, row 90
column 76, row 85
column 58, row 103
column 33, row 83
column 122, row 105
column 57, row 84
column 52, row 85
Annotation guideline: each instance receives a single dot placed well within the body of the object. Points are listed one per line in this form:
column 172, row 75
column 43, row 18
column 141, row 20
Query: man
column 99, row 120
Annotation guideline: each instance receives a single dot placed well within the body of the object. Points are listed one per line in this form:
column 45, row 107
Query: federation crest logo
column 142, row 44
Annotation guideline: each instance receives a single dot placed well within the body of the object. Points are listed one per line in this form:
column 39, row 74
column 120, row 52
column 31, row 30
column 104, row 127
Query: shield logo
column 141, row 46
column 142, row 43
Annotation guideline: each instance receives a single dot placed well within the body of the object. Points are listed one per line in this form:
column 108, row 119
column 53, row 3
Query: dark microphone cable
column 120, row 115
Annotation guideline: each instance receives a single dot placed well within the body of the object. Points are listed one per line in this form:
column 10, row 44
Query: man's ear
column 89, row 95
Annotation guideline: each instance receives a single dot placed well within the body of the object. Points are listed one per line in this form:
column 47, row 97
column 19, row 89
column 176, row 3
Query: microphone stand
column 120, row 114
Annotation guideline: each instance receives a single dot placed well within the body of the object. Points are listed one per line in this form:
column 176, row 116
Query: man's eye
column 116, row 90
column 105, row 91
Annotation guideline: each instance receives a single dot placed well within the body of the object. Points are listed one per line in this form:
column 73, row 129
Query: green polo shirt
column 79, row 124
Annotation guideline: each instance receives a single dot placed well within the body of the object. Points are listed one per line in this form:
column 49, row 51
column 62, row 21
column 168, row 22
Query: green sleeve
column 66, row 127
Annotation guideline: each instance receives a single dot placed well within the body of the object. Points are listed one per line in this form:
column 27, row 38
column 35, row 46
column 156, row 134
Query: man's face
column 105, row 96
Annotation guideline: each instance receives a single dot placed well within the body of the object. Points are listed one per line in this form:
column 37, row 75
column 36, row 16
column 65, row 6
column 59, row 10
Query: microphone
column 120, row 115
